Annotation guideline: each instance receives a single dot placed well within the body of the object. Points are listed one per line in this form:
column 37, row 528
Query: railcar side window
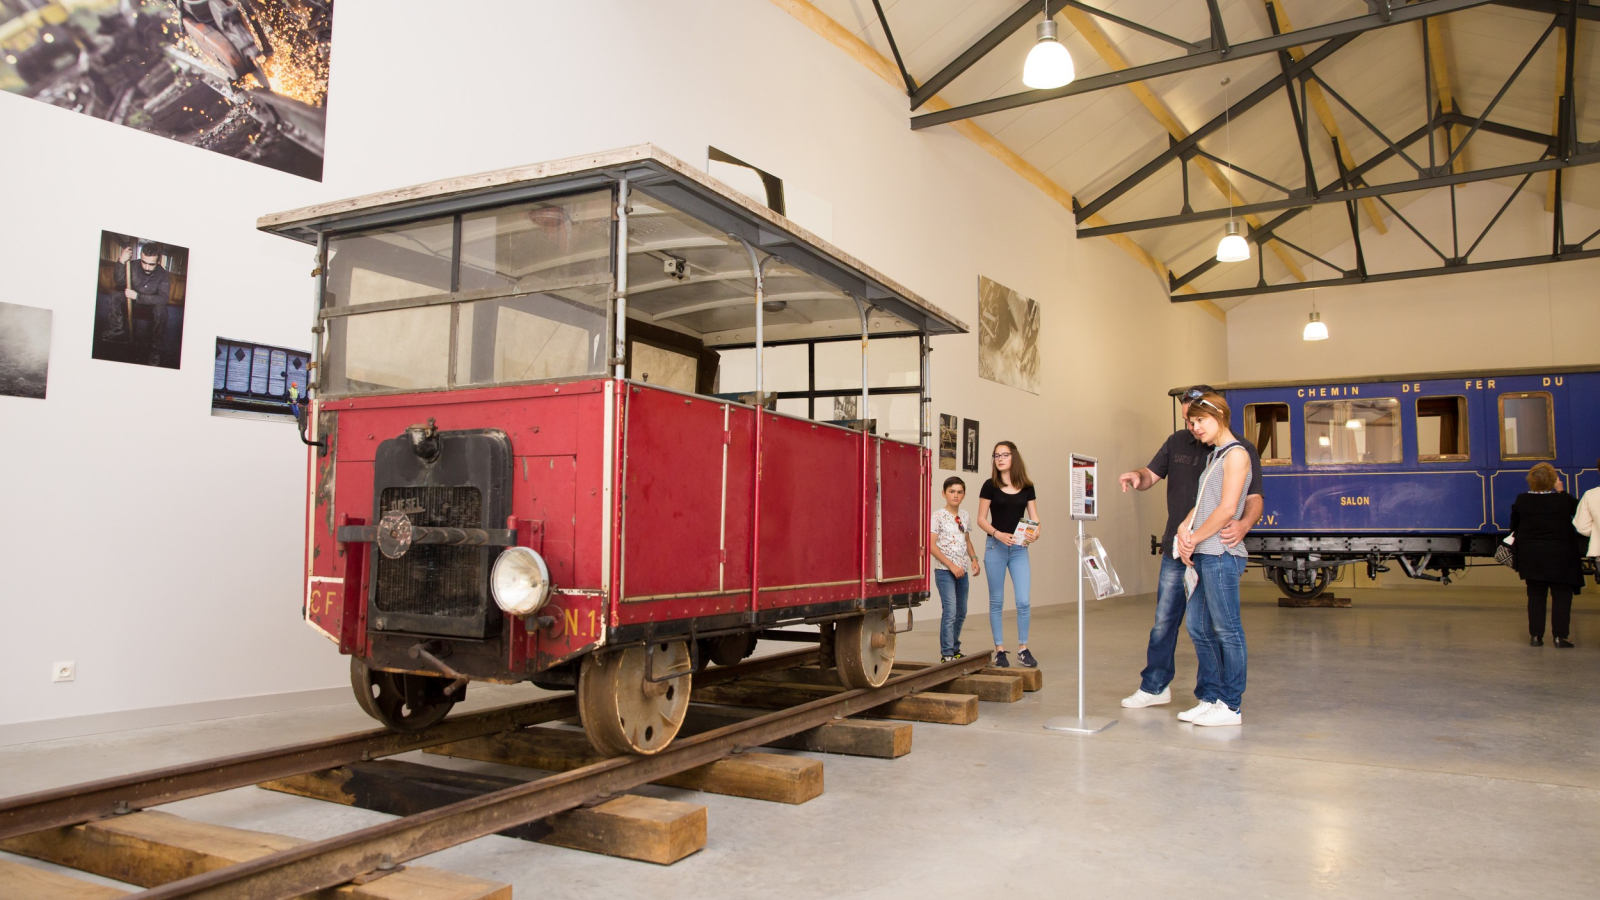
column 1442, row 429
column 1527, row 430
column 1345, row 432
column 1267, row 425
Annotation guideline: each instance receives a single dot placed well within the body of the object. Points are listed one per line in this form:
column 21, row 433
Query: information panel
column 1085, row 490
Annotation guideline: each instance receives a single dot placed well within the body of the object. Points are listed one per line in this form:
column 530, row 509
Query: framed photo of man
column 969, row 445
column 141, row 286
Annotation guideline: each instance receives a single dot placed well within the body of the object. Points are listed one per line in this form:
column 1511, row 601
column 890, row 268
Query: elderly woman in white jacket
column 1587, row 521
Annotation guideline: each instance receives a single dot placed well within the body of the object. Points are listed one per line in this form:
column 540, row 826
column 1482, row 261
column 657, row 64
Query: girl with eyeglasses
column 1006, row 497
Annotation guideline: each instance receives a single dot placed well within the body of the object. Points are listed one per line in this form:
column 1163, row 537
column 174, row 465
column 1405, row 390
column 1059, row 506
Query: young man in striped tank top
column 1213, row 612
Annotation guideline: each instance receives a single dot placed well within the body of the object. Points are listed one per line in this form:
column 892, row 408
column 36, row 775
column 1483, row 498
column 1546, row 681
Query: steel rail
column 78, row 803
column 324, row 864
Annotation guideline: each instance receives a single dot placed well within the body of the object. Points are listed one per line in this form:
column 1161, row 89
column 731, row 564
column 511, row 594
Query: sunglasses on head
column 1193, row 394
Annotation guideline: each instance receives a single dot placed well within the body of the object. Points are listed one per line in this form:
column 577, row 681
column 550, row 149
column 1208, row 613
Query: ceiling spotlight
column 1233, row 247
column 1315, row 329
column 1049, row 65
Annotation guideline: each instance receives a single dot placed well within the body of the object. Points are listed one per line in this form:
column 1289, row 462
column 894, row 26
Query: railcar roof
column 1405, row 376
column 658, row 175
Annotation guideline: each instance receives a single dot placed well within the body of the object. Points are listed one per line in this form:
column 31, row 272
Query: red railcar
column 599, row 422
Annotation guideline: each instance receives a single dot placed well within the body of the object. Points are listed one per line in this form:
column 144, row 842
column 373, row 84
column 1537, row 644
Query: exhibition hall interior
column 799, row 448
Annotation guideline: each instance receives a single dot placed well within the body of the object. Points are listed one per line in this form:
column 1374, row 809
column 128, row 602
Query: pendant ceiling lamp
column 1049, row 65
column 1315, row 329
column 1233, row 247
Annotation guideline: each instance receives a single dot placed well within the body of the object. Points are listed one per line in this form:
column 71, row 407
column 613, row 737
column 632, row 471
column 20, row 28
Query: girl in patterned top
column 953, row 558
column 1213, row 613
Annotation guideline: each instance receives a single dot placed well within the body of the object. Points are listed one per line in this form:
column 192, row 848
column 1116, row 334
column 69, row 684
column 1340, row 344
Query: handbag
column 1503, row 553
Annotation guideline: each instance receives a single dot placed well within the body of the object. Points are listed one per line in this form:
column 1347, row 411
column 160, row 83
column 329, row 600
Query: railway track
column 370, row 853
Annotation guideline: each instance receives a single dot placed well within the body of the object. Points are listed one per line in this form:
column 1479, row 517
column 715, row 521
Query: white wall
column 160, row 548
column 1532, row 316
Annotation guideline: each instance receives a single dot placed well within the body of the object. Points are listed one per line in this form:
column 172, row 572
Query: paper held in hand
column 1027, row 530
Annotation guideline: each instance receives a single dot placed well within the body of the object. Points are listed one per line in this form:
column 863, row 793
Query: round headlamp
column 519, row 581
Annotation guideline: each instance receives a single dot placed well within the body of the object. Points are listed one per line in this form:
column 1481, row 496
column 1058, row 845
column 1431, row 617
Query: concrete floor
column 1413, row 746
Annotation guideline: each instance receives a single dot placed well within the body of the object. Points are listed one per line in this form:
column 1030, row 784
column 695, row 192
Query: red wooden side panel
column 544, row 494
column 810, row 503
column 903, row 533
column 741, row 497
column 672, row 495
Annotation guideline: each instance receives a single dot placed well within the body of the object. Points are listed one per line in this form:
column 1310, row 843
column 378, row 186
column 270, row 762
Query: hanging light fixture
column 1233, row 247
column 1049, row 65
column 1315, row 329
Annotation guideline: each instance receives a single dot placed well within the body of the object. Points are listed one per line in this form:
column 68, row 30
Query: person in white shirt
column 953, row 559
column 1587, row 521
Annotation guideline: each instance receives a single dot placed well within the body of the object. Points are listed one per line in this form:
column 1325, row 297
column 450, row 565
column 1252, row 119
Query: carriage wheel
column 730, row 649
column 401, row 701
column 863, row 648
column 622, row 711
column 1301, row 591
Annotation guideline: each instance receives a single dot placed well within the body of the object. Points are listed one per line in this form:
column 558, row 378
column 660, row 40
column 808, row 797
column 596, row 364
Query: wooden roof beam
column 1319, row 105
column 880, row 65
column 1439, row 58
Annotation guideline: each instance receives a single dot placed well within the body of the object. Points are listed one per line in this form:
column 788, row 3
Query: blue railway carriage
column 1419, row 470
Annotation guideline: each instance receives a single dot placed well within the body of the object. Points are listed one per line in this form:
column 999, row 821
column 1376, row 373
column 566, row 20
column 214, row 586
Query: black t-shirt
column 1005, row 510
column 1181, row 461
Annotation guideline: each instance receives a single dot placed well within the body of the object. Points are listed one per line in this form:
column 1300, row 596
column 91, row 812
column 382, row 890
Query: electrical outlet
column 64, row 671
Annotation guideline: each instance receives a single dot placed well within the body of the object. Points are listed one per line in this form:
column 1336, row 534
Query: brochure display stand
column 1092, row 565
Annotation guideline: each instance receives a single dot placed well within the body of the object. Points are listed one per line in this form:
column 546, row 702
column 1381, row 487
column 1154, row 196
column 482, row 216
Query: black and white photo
column 24, row 350
column 1008, row 336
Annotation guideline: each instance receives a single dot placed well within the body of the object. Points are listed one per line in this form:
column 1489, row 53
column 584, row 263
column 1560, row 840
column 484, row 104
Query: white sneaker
column 1189, row 715
column 1142, row 698
column 1219, row 714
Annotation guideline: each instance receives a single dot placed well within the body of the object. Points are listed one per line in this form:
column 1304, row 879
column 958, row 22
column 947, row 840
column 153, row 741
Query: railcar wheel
column 1318, row 584
column 622, row 711
column 731, row 649
column 863, row 648
column 401, row 701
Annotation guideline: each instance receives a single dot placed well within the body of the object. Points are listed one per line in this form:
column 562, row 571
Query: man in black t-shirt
column 1181, row 460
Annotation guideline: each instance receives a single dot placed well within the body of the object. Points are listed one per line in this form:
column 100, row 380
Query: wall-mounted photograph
column 24, row 350
column 140, row 290
column 1008, row 336
column 244, row 78
column 257, row 381
column 947, row 443
column 969, row 445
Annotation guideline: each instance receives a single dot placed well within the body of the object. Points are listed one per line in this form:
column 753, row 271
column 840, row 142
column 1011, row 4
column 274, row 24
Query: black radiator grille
column 433, row 580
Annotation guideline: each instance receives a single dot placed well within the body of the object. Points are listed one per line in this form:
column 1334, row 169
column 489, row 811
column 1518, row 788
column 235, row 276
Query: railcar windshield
column 512, row 294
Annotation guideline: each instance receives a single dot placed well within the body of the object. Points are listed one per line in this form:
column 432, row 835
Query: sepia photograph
column 1008, row 336
column 969, row 444
column 244, row 78
column 24, row 350
column 140, row 289
column 947, row 443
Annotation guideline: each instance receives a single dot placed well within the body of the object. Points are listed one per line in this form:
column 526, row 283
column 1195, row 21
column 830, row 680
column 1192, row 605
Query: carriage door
column 1524, row 413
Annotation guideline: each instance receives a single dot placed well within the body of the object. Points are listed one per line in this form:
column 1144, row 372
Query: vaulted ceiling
column 1368, row 79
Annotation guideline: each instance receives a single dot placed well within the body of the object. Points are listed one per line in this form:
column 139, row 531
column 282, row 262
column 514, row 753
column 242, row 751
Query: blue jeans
column 997, row 558
column 1159, row 666
column 953, row 597
column 1215, row 628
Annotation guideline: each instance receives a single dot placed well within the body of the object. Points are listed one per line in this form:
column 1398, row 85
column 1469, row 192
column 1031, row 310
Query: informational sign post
column 1085, row 507
column 1085, row 490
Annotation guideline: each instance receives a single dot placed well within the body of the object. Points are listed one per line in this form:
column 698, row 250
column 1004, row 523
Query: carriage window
column 1343, row 432
column 545, row 245
column 397, row 350
column 390, row 264
column 1267, row 424
column 1526, row 429
column 1441, row 429
column 530, row 337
